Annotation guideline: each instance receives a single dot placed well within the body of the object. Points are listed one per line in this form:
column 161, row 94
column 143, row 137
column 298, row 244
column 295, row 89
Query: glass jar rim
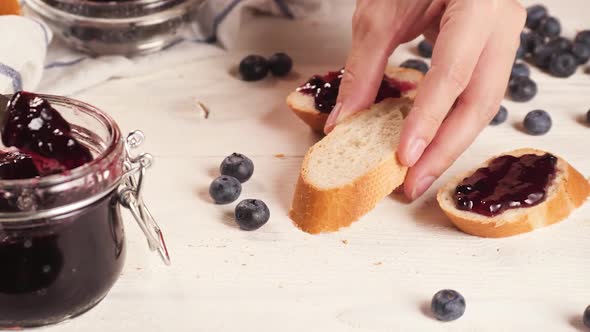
column 112, row 145
column 145, row 11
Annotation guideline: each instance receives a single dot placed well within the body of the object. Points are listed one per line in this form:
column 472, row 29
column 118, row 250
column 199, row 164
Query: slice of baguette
column 567, row 191
column 304, row 107
column 9, row 7
column 350, row 170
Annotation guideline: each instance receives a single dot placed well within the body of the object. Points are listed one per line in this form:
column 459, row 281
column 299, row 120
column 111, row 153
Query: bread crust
column 571, row 192
column 316, row 210
column 316, row 120
column 10, row 7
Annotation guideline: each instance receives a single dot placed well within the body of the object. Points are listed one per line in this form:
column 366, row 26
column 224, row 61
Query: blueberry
column 583, row 37
column 582, row 52
column 531, row 40
column 251, row 214
column 563, row 65
column 542, row 55
column 447, row 305
column 534, row 15
column 522, row 89
column 500, row 117
column 549, row 27
column 253, row 68
column 238, row 166
column 586, row 318
column 537, row 122
column 425, row 49
column 280, row 64
column 520, row 52
column 560, row 44
column 520, row 69
column 225, row 189
column 415, row 64
column 588, row 116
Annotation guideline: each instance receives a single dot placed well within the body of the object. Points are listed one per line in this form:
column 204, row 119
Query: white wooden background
column 377, row 275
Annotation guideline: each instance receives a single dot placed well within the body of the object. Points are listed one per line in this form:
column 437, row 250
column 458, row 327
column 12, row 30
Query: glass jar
column 124, row 27
column 62, row 241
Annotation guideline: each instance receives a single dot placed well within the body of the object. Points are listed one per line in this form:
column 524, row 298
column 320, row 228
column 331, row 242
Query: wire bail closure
column 131, row 198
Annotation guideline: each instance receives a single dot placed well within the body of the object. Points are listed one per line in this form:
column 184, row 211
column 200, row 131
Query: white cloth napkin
column 22, row 52
column 66, row 72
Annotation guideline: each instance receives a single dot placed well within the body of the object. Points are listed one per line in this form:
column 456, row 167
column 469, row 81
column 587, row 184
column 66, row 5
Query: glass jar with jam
column 62, row 240
column 123, row 27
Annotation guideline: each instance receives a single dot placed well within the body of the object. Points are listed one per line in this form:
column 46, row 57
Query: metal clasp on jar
column 131, row 198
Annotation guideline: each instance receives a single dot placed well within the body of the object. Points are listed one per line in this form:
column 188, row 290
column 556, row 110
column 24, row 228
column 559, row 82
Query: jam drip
column 38, row 130
column 508, row 182
column 324, row 89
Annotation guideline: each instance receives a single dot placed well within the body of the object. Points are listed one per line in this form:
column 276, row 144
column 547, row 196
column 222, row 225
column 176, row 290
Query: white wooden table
column 379, row 274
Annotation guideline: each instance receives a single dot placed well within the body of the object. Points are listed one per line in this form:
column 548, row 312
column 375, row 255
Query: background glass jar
column 62, row 241
column 125, row 27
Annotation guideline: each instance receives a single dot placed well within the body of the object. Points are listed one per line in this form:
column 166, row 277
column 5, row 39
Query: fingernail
column 415, row 150
column 421, row 186
column 333, row 118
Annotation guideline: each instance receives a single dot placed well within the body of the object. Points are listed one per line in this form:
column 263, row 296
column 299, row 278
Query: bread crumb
column 378, row 263
column 345, row 241
column 280, row 155
column 203, row 110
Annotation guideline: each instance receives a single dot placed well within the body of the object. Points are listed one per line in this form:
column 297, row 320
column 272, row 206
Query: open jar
column 62, row 240
column 123, row 27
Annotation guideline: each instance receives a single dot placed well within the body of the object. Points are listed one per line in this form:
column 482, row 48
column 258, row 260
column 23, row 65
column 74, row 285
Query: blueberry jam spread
column 508, row 182
column 325, row 88
column 42, row 136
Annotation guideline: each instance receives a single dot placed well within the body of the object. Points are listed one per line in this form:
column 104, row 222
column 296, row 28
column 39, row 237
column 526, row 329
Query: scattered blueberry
column 280, row 64
column 415, row 64
column 537, row 122
column 563, row 65
column 500, row 117
column 225, row 189
column 549, row 27
column 425, row 49
column 520, row 69
column 522, row 88
column 253, row 68
column 582, row 52
column 586, row 318
column 251, row 214
column 583, row 37
column 531, row 40
column 588, row 116
column 534, row 15
column 520, row 52
column 542, row 55
column 238, row 166
column 447, row 305
column 560, row 44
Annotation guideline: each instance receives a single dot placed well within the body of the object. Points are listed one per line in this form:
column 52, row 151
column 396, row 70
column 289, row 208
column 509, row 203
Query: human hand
column 475, row 44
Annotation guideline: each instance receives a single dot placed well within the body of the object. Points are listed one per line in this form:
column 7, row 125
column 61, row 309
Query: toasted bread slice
column 9, row 7
column 350, row 170
column 303, row 105
column 567, row 191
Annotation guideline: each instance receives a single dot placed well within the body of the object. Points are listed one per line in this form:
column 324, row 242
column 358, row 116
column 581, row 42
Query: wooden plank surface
column 377, row 275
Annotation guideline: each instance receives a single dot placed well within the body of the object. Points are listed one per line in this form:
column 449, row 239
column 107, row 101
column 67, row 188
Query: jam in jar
column 62, row 240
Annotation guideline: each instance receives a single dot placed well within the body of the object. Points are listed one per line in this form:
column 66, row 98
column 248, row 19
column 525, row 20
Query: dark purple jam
column 37, row 129
column 508, row 182
column 60, row 266
column 325, row 88
column 17, row 165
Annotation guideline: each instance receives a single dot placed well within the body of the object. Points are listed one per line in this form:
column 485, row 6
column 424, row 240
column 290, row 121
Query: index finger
column 465, row 28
